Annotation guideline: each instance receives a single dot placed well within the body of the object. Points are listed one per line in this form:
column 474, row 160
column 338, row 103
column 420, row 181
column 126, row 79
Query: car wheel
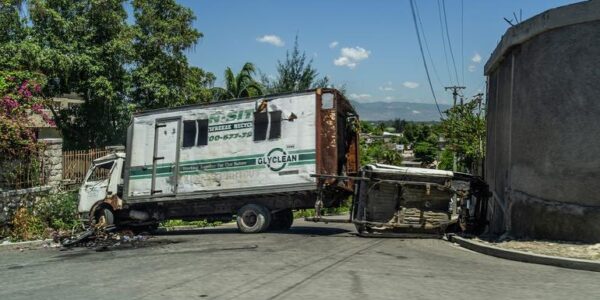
column 253, row 218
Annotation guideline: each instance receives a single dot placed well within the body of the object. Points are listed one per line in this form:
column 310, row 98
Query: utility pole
column 454, row 90
column 455, row 94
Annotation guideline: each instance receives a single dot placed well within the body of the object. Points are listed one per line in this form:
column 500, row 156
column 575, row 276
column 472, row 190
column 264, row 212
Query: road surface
column 311, row 261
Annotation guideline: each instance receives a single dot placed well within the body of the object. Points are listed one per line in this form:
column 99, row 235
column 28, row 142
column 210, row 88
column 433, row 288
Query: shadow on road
column 299, row 230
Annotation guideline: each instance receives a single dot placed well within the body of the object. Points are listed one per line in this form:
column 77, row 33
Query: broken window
column 261, row 125
column 202, row 132
column 195, row 133
column 275, row 131
column 189, row 133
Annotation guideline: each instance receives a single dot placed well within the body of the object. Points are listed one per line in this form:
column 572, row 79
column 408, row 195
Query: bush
column 59, row 211
column 26, row 226
column 54, row 213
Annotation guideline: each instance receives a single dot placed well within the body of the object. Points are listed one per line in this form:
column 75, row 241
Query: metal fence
column 77, row 162
column 21, row 174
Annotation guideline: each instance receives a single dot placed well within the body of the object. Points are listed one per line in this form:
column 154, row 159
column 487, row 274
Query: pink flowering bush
column 20, row 98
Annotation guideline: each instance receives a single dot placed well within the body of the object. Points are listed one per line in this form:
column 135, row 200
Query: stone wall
column 52, row 160
column 11, row 201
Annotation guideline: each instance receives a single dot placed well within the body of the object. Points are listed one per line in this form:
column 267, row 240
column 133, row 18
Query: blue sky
column 369, row 46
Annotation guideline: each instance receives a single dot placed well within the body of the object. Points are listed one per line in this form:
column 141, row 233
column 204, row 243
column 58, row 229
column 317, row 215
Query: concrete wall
column 543, row 142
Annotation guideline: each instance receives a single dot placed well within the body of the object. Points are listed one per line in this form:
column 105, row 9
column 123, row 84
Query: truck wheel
column 104, row 216
column 282, row 220
column 253, row 218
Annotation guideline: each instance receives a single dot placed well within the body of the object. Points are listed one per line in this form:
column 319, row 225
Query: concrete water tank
column 543, row 121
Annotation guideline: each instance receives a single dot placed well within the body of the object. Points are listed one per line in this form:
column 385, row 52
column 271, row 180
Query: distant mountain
column 383, row 111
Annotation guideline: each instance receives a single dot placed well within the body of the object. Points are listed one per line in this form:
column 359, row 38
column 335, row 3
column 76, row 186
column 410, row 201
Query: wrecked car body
column 391, row 199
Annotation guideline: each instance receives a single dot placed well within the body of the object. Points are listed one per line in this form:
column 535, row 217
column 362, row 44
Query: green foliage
column 197, row 223
column 366, row 127
column 239, row 85
column 51, row 213
column 26, row 226
column 161, row 77
column 295, row 74
column 59, row 211
column 88, row 48
column 425, row 152
column 399, row 124
column 378, row 152
column 446, row 160
column 464, row 129
column 330, row 211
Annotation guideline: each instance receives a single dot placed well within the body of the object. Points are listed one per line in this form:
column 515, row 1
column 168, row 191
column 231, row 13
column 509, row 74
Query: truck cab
column 102, row 181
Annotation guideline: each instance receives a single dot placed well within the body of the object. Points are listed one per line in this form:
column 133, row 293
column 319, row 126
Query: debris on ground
column 552, row 248
column 104, row 238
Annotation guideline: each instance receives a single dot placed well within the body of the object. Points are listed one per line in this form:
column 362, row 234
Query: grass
column 196, row 223
column 342, row 209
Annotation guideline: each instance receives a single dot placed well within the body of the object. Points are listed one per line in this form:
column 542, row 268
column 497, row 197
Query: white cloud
column 387, row 87
column 349, row 57
column 333, row 44
column 389, row 98
column 344, row 61
column 472, row 68
column 476, row 58
column 410, row 84
column 271, row 39
column 416, row 112
column 359, row 96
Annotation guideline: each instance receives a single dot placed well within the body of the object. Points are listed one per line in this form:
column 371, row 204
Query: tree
column 295, row 74
column 378, row 152
column 426, row 152
column 161, row 75
column 90, row 45
column 11, row 23
column 399, row 125
column 239, row 85
column 464, row 130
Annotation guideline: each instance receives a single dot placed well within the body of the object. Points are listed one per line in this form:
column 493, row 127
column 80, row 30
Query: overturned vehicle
column 390, row 200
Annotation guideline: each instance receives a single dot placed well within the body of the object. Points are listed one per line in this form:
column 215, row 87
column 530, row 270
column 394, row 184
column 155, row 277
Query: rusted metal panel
column 329, row 139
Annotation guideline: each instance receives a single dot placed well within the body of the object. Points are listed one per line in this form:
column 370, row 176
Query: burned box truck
column 251, row 158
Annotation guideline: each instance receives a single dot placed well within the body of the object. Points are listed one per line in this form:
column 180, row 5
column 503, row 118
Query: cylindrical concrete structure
column 543, row 122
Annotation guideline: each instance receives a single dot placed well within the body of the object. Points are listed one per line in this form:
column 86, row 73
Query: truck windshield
column 101, row 172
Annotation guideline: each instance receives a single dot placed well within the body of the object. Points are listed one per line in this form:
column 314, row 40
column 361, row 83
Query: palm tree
column 240, row 85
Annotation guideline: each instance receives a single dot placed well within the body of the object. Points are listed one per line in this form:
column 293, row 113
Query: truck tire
column 253, row 218
column 105, row 214
column 282, row 220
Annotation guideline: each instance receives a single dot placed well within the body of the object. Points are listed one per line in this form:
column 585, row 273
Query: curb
column 569, row 263
column 27, row 244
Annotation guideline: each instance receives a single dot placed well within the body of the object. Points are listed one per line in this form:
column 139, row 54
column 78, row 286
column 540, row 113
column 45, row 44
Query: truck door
column 165, row 164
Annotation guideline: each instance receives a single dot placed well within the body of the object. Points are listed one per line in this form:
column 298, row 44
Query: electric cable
column 412, row 7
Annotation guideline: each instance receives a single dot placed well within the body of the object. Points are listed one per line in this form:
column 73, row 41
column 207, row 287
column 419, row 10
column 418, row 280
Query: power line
column 435, row 72
column 462, row 39
column 412, row 7
column 444, row 42
column 448, row 38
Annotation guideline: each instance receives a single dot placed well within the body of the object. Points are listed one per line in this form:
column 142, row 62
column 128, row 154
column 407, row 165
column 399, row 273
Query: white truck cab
column 101, row 181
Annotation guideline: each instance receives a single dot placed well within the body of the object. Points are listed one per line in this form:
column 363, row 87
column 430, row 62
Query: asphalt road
column 311, row 261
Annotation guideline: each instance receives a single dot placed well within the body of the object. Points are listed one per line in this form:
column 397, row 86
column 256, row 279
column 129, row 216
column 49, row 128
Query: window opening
column 189, row 133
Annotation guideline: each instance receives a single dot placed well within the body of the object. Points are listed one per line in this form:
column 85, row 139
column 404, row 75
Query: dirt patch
column 552, row 248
